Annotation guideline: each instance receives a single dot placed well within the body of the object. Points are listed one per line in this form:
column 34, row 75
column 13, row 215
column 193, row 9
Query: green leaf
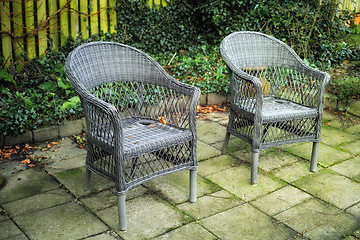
column 49, row 86
column 70, row 103
column 62, row 85
column 5, row 76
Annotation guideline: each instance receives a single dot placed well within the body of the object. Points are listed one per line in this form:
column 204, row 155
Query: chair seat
column 145, row 136
column 281, row 110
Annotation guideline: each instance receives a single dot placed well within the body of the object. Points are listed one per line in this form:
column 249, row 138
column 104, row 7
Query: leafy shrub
column 38, row 95
column 345, row 82
column 155, row 30
column 201, row 66
column 184, row 37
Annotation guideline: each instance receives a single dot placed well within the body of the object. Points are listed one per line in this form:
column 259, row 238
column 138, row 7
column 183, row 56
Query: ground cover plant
column 184, row 38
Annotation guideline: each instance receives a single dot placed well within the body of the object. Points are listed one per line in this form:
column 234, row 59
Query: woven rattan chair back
column 275, row 97
column 140, row 120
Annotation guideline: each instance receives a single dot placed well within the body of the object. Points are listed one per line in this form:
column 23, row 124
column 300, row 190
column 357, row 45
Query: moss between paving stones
column 67, row 221
column 191, row 231
column 237, row 181
column 331, row 187
column 318, row 220
column 147, row 217
column 9, row 230
column 246, row 222
column 175, row 186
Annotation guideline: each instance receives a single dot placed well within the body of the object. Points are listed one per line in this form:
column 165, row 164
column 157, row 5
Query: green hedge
column 184, row 37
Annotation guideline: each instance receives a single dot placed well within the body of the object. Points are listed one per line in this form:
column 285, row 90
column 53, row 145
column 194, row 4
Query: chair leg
column 122, row 211
column 193, row 175
column 87, row 180
column 226, row 142
column 314, row 156
column 254, row 167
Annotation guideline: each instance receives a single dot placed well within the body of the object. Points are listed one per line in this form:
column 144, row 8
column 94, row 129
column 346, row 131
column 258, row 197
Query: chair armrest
column 246, row 90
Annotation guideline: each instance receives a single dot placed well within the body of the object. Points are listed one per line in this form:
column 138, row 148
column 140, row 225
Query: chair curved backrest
column 254, row 49
column 99, row 63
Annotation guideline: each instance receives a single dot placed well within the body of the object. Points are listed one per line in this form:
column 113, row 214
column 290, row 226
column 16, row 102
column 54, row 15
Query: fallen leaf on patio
column 54, row 143
column 162, row 121
column 27, row 147
column 26, row 161
column 31, row 165
column 153, row 125
column 7, row 155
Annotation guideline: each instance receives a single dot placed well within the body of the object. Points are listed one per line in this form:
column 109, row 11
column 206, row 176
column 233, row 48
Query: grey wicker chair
column 275, row 97
column 140, row 120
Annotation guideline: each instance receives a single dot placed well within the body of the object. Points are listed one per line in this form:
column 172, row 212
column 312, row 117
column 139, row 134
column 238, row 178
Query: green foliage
column 345, row 82
column 201, row 66
column 155, row 30
column 5, row 77
column 184, row 37
column 42, row 96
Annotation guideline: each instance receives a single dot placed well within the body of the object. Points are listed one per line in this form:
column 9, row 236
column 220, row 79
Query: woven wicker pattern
column 141, row 122
column 276, row 98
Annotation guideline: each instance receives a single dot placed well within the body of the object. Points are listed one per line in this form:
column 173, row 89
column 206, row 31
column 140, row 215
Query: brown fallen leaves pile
column 23, row 153
column 203, row 110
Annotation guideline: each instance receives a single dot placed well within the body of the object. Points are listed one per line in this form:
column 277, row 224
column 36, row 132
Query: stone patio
column 289, row 201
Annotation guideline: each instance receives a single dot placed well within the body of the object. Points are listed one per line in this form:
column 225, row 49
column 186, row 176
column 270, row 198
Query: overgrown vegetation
column 183, row 37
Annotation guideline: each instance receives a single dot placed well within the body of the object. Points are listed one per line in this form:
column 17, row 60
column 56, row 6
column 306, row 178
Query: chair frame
column 252, row 57
column 112, row 80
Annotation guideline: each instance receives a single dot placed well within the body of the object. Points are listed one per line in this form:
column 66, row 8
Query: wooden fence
column 26, row 25
column 350, row 5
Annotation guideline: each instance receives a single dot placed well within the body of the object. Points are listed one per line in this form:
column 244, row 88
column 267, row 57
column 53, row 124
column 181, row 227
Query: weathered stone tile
column 192, row 231
column 235, row 144
column 270, row 158
column 74, row 180
column 205, row 151
column 210, row 204
column 353, row 130
column 216, row 164
column 68, row 221
column 147, row 217
column 37, row 202
column 210, row 132
column 9, row 229
column 327, row 155
column 318, row 220
column 65, row 149
column 349, row 168
column 11, row 167
column 237, row 181
column 355, row 211
column 331, row 187
column 66, row 164
column 25, row 184
column 104, row 236
column 246, row 222
column 108, row 198
column 176, row 186
column 333, row 137
column 280, row 200
column 353, row 147
column 328, row 115
column 100, row 201
column 293, row 171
